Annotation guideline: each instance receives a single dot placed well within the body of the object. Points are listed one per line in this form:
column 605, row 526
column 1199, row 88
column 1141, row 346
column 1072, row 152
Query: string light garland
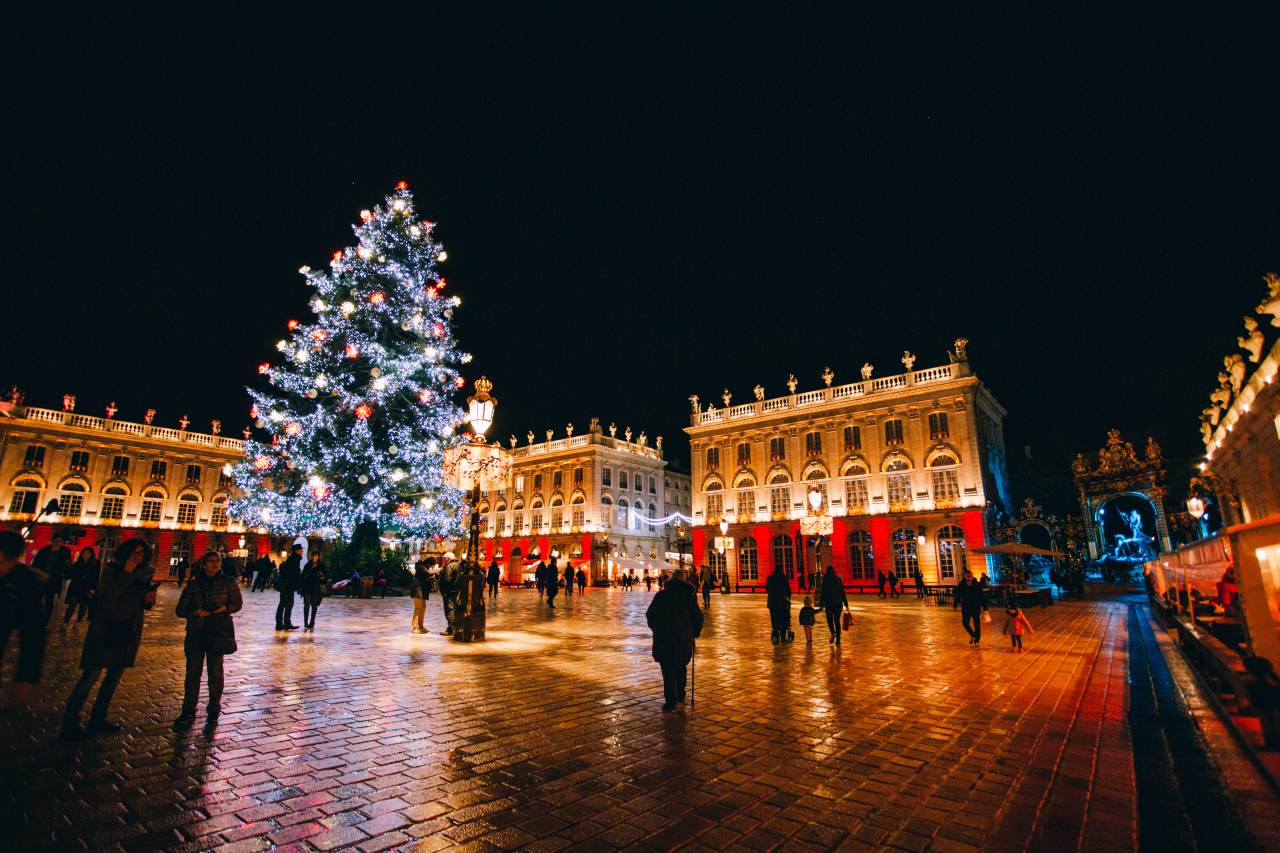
column 359, row 408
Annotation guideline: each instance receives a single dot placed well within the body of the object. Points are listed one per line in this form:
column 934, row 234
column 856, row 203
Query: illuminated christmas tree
column 359, row 412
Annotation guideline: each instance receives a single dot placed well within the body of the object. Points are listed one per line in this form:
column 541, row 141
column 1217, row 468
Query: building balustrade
column 543, row 448
column 90, row 422
column 943, row 373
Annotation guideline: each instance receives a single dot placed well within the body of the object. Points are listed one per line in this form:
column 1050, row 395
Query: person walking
column 290, row 576
column 778, row 599
column 21, row 610
column 568, row 577
column 582, row 581
column 313, row 585
column 420, row 591
column 381, row 582
column 448, row 580
column 84, row 580
column 675, row 620
column 182, row 570
column 807, row 618
column 707, row 583
column 552, row 583
column 125, row 592
column 881, row 580
column 834, row 603
column 540, row 577
column 648, row 581
column 893, row 584
column 970, row 597
column 207, row 604
column 263, row 570
column 919, row 579
column 1015, row 622
column 495, row 575
column 53, row 561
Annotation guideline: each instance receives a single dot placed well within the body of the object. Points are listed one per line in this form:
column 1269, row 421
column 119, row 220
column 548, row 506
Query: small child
column 1015, row 622
column 807, row 614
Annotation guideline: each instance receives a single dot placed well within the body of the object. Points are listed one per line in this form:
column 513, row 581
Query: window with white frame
column 187, row 508
column 152, row 501
column 784, row 555
column 946, row 484
column 893, row 432
column 218, row 512
column 905, row 559
column 780, row 499
column 26, row 496
column 714, row 509
column 777, row 449
column 71, row 502
column 34, row 457
column 748, row 560
column 852, row 438
column 855, row 495
column 746, row 498
column 951, row 552
column 606, row 476
column 861, row 562
column 535, row 521
column 899, row 483
column 112, row 504
column 623, row 519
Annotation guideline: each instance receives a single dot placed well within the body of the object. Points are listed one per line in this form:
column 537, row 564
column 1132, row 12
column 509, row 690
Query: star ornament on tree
column 360, row 415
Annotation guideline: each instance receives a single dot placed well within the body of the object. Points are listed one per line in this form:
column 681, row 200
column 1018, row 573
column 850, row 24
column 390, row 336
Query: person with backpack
column 207, row 603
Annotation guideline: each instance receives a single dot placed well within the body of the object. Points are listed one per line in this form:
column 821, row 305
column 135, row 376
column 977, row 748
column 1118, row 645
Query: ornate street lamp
column 1195, row 506
column 816, row 525
column 474, row 466
column 682, row 530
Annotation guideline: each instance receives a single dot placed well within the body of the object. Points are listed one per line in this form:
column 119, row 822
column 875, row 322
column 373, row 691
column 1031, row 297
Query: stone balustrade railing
column 556, row 445
column 931, row 375
column 90, row 422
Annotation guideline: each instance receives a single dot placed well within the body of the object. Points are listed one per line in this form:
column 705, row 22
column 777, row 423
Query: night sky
column 642, row 202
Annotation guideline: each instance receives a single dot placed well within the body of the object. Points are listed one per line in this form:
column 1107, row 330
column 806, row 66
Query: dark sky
column 642, row 202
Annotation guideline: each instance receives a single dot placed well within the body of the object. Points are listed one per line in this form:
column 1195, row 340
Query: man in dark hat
column 676, row 621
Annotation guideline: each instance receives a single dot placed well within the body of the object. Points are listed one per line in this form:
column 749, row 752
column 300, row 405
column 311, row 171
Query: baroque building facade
column 588, row 498
column 116, row 479
column 906, row 467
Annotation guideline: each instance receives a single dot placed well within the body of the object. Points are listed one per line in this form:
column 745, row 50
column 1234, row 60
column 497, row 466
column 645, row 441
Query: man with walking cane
column 676, row 621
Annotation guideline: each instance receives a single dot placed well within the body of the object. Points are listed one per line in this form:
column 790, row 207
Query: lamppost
column 472, row 466
column 816, row 526
column 681, row 531
column 724, row 543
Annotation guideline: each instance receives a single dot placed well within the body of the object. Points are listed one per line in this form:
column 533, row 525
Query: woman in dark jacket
column 778, row 600
column 111, row 644
column 675, row 620
column 312, row 586
column 834, row 601
column 207, row 603
column 84, row 580
column 420, row 592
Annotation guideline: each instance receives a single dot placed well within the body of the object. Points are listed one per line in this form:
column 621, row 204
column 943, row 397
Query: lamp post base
column 469, row 621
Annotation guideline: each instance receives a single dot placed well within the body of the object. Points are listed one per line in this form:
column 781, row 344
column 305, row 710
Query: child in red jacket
column 1015, row 623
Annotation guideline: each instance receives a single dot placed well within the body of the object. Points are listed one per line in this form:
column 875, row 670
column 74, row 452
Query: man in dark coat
column 568, row 577
column 290, row 577
column 893, row 583
column 495, row 574
column 552, row 582
column 778, row 599
column 447, row 580
column 919, row 583
column 881, row 580
column 833, row 602
column 675, row 620
column 21, row 610
column 53, row 560
column 971, row 598
column 182, row 570
column 540, row 577
column 262, row 573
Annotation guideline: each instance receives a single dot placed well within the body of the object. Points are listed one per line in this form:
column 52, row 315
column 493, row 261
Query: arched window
column 946, row 485
column 905, row 559
column 152, row 503
column 181, row 549
column 715, row 560
column 579, row 510
column 783, row 555
column 535, row 515
column 952, row 552
column 861, row 562
column 112, row 503
column 187, row 504
column 715, row 503
column 557, row 513
column 748, row 560
column 218, row 511
column 899, row 483
column 26, row 495
column 71, row 504
column 623, row 518
column 855, row 487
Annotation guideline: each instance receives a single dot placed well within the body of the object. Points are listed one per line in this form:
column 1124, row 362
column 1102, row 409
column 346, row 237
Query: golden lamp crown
column 483, row 387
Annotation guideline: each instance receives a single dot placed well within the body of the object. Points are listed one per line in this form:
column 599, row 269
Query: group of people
column 547, row 579
column 118, row 596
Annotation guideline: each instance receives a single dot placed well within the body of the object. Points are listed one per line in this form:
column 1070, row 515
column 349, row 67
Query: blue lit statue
column 1137, row 547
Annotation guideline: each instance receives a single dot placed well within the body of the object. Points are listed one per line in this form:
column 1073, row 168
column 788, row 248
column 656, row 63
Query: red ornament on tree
column 402, row 185
column 403, row 510
column 377, row 297
column 264, row 367
column 292, row 324
column 364, row 411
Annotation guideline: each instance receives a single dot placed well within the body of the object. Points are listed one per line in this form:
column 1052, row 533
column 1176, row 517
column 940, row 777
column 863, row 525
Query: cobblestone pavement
column 549, row 736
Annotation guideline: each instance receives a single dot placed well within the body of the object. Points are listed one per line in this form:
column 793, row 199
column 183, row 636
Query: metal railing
column 90, row 422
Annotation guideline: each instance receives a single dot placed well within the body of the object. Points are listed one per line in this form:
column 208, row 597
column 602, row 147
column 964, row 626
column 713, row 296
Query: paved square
column 549, row 736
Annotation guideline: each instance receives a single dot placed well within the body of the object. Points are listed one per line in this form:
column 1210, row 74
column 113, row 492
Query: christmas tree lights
column 359, row 412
